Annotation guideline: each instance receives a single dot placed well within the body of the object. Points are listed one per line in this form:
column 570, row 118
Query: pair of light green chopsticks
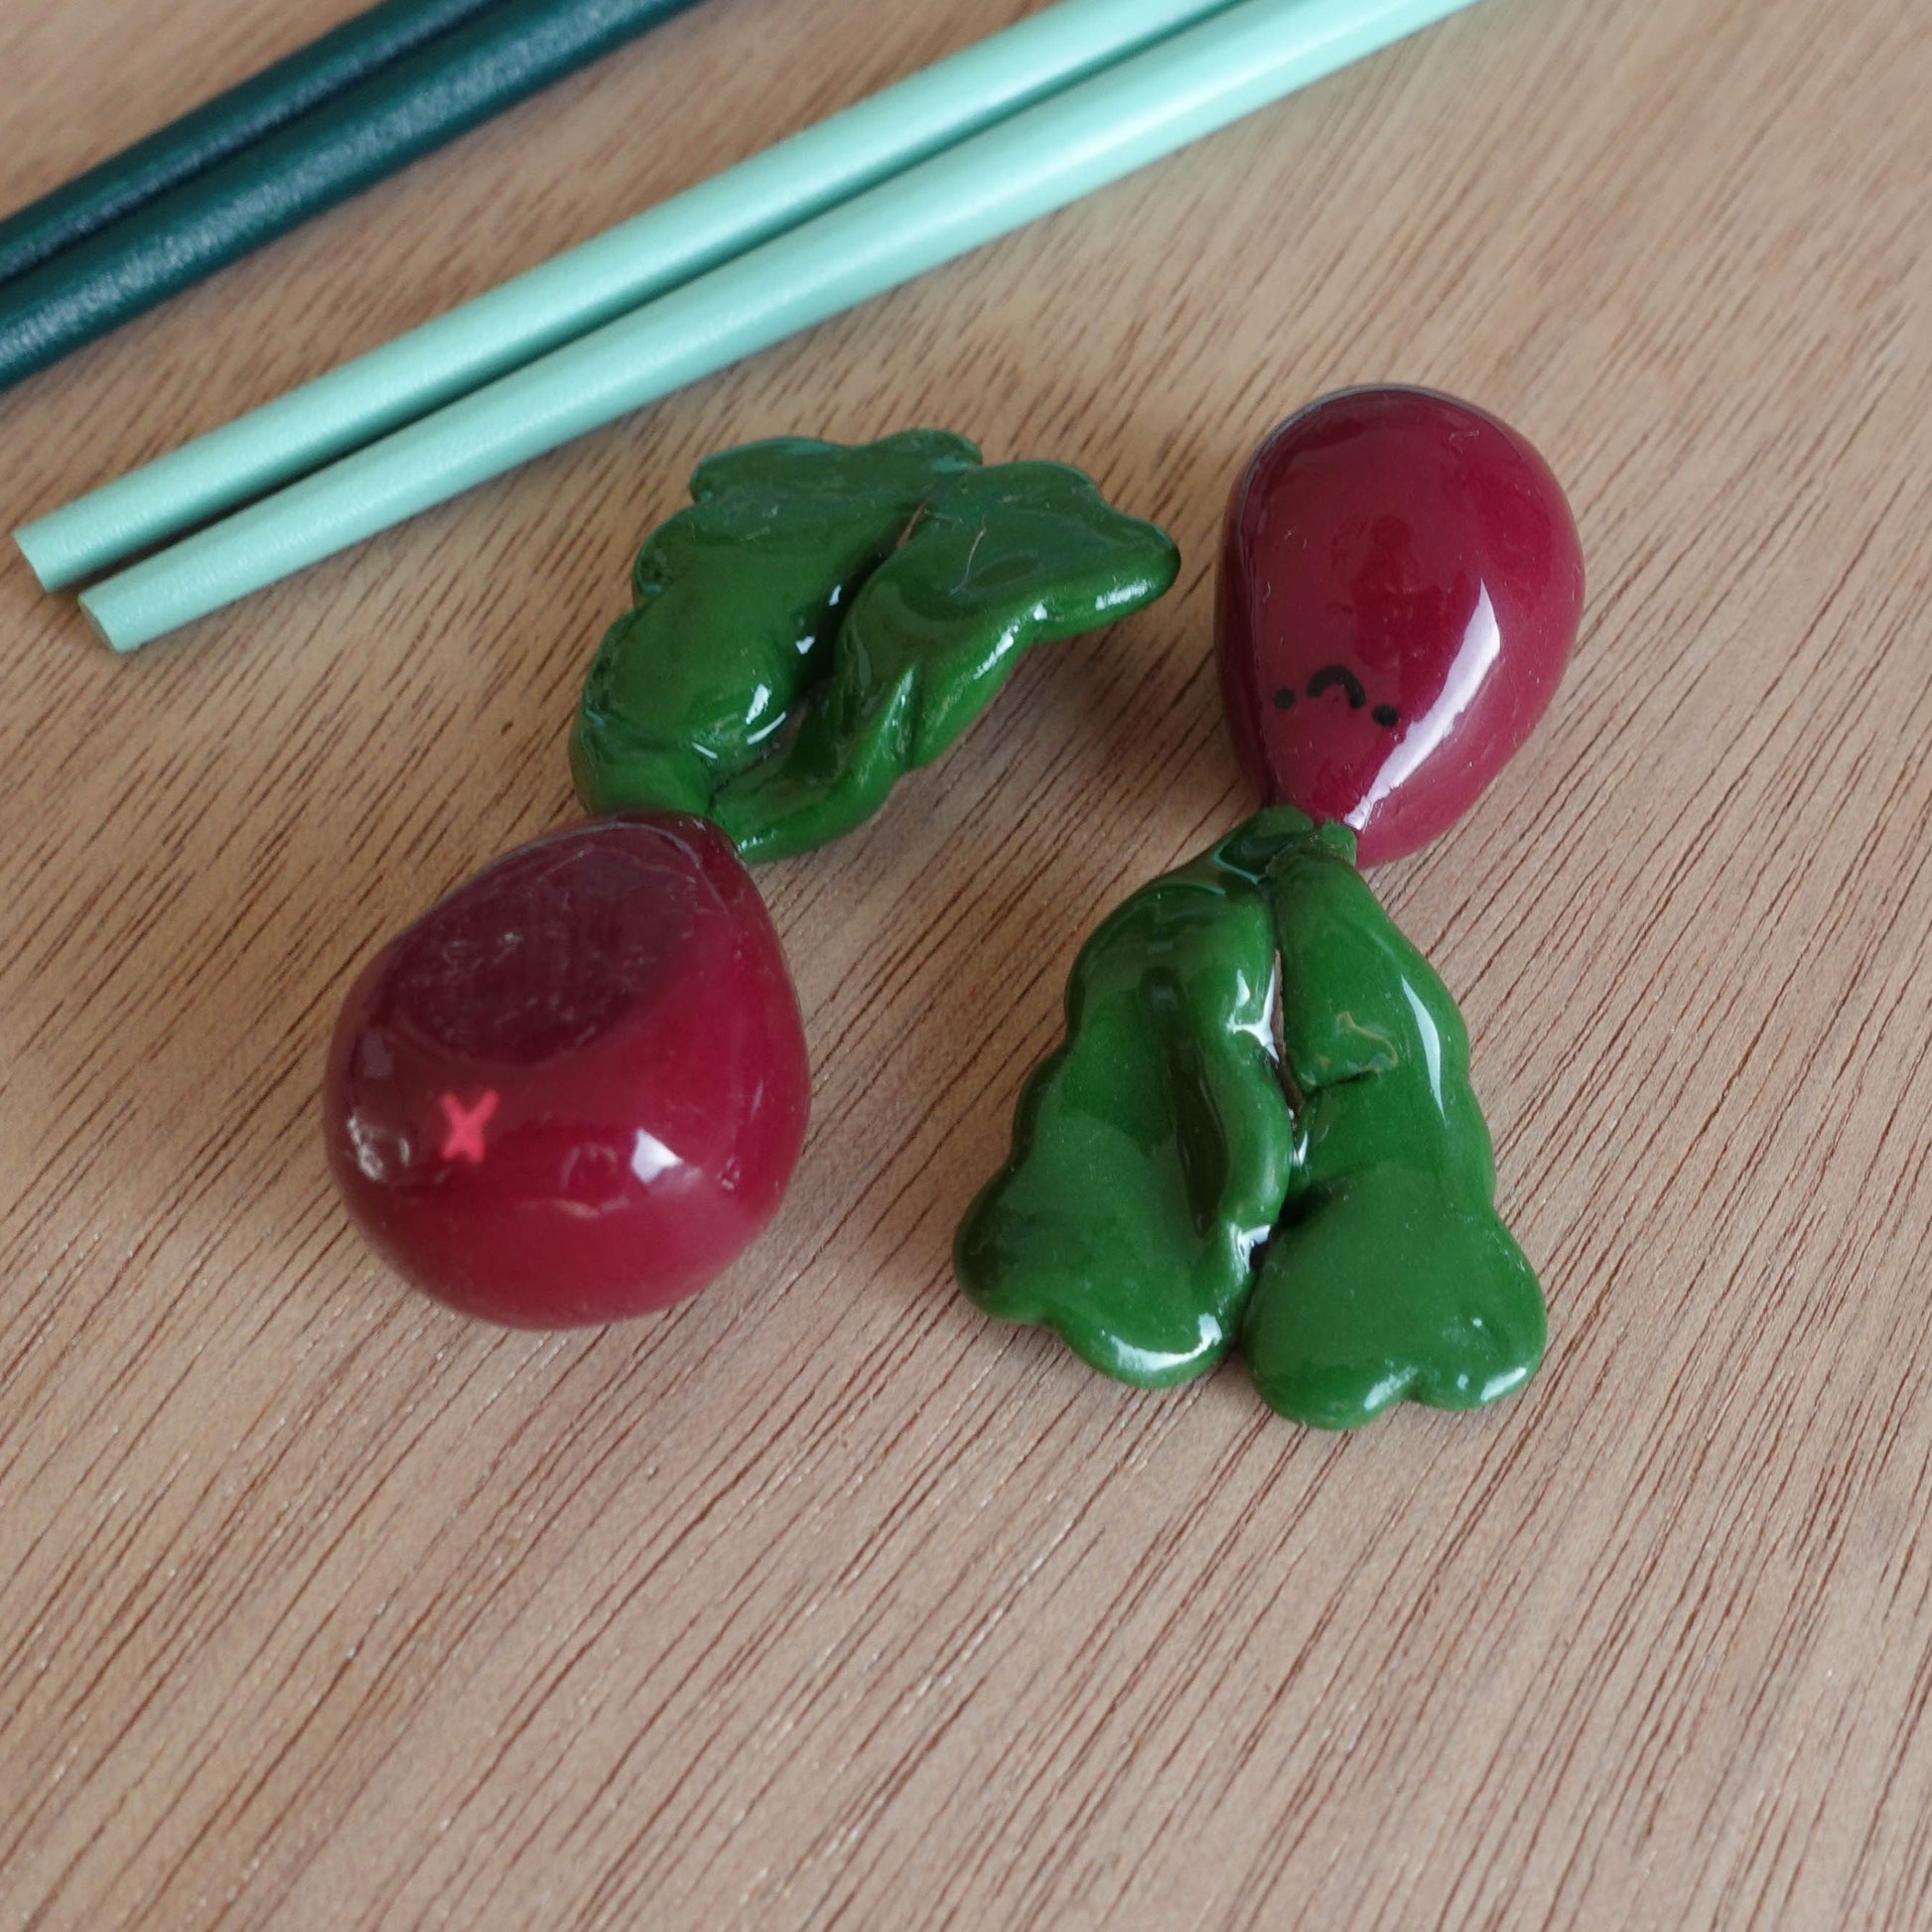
column 977, row 145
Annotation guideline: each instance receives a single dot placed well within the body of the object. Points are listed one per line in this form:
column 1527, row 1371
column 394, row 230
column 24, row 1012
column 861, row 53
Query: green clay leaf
column 1162, row 1149
column 823, row 620
column 1391, row 1276
column 737, row 602
column 1151, row 1150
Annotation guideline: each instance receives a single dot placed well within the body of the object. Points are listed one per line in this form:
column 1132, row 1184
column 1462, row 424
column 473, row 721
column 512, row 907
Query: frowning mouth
column 1338, row 676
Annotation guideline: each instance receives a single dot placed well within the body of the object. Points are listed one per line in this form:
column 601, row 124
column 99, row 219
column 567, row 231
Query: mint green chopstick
column 1028, row 166
column 604, row 277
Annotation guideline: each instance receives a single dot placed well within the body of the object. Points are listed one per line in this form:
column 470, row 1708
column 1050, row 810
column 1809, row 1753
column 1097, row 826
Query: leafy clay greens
column 823, row 620
column 1179, row 1184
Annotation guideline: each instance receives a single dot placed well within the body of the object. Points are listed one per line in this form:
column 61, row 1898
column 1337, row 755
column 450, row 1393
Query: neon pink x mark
column 465, row 1139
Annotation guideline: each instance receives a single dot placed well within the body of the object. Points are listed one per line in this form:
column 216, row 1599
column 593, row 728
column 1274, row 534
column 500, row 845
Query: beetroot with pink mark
column 577, row 1088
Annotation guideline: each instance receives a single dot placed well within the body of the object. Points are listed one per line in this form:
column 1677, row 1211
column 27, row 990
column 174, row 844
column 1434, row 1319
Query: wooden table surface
column 822, row 1600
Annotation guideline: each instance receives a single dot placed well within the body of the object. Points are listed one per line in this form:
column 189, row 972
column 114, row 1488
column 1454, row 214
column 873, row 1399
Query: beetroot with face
column 1400, row 587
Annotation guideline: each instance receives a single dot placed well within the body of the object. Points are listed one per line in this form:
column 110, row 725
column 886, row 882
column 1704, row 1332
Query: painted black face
column 1326, row 679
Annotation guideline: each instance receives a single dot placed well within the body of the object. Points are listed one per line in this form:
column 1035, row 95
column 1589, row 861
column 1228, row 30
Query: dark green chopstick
column 415, row 104
column 234, row 120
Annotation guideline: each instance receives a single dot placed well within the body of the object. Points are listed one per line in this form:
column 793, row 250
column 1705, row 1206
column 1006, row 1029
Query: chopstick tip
column 99, row 625
column 26, row 541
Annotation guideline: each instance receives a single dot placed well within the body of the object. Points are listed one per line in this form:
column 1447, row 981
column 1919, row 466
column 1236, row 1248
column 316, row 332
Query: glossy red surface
column 1400, row 588
column 577, row 1088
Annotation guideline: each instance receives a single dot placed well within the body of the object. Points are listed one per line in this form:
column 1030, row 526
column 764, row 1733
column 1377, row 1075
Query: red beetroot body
column 1400, row 588
column 577, row 1088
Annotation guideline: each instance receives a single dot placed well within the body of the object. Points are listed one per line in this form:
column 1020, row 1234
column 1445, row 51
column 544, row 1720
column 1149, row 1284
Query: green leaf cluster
column 1180, row 1183
column 823, row 620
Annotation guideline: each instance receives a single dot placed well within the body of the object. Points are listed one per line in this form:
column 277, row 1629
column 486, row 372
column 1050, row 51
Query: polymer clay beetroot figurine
column 577, row 1088
column 1400, row 589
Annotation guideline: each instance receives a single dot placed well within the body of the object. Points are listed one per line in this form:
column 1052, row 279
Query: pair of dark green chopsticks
column 384, row 88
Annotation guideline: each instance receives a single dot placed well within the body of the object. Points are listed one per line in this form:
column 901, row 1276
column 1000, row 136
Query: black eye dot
column 1386, row 714
column 1284, row 699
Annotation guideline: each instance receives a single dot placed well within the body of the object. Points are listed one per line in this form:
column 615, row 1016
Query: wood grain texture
column 821, row 1601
